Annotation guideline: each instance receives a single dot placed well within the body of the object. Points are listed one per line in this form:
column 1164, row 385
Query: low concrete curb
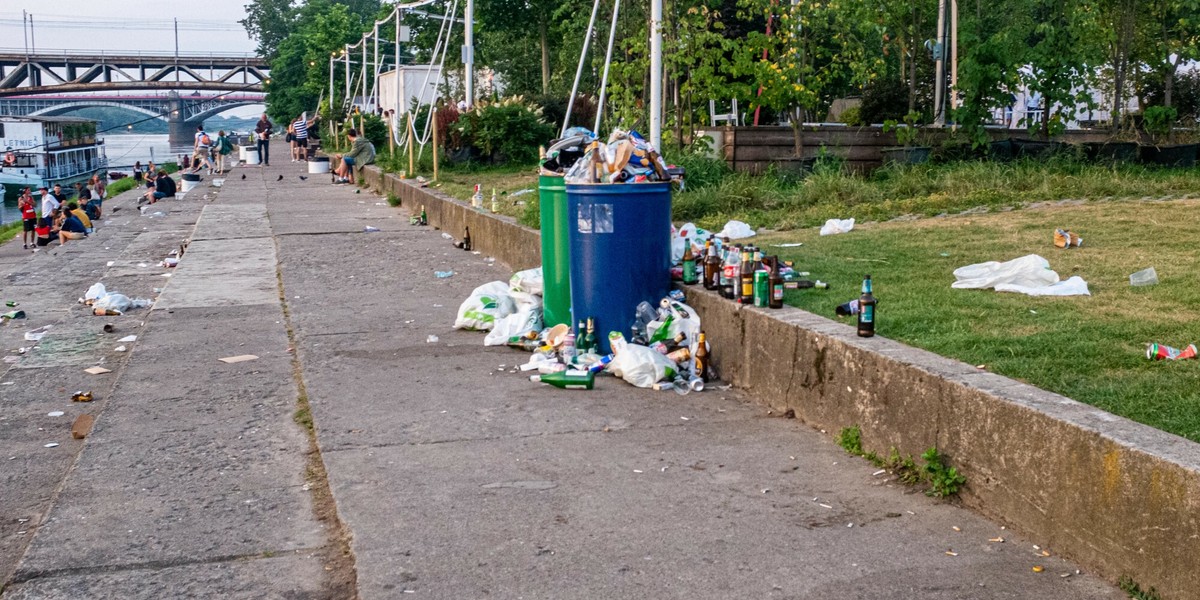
column 1102, row 490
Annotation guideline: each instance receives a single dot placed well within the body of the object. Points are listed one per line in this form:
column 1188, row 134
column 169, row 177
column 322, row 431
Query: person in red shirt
column 29, row 219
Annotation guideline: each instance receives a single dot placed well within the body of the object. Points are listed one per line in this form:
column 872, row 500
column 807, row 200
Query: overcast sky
column 139, row 25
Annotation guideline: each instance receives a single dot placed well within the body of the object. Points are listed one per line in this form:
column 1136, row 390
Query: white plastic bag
column 1029, row 275
column 641, row 366
column 684, row 319
column 486, row 303
column 680, row 238
column 528, row 317
column 97, row 290
column 736, row 230
column 117, row 302
column 529, row 281
column 835, row 226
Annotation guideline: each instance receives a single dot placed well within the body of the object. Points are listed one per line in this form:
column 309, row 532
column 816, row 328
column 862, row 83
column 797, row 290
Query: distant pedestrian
column 223, row 147
column 49, row 202
column 137, row 171
column 201, row 150
column 28, row 219
column 290, row 138
column 301, row 126
column 262, row 131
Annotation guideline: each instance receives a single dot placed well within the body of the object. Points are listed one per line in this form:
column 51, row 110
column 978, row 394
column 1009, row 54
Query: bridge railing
column 126, row 53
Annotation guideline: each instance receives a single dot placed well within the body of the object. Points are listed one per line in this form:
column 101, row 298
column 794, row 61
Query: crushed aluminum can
column 676, row 295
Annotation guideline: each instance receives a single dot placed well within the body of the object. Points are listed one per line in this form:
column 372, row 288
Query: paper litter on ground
column 237, row 359
column 97, row 370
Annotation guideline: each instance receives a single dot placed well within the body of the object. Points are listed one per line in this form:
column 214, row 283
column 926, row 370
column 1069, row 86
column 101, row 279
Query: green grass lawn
column 1091, row 349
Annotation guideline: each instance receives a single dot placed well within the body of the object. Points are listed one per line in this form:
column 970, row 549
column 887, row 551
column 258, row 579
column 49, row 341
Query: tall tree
column 1064, row 44
column 1170, row 37
column 269, row 22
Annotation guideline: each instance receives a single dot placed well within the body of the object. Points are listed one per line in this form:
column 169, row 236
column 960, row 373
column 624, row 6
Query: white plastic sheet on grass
column 835, row 226
column 1030, row 275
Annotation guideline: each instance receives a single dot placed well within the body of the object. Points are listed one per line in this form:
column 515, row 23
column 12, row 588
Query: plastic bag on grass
column 642, row 366
column 486, row 303
column 1030, row 275
column 528, row 317
column 736, row 230
column 834, row 226
column 680, row 238
column 529, row 281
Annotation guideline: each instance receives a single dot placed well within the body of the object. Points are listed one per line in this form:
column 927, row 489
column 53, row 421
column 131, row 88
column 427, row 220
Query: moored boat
column 44, row 151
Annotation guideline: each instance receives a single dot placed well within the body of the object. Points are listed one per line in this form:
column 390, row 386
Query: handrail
column 58, row 53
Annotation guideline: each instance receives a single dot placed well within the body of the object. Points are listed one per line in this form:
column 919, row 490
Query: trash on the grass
column 433, row 339
column 736, row 230
column 1030, row 275
column 1065, row 238
column 836, row 226
column 1144, row 277
column 443, row 274
column 789, row 245
column 848, row 309
column 35, row 335
column 97, row 370
column 1163, row 352
column 237, row 359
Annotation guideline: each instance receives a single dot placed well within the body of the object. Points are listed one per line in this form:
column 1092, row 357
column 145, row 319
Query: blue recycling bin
column 620, row 237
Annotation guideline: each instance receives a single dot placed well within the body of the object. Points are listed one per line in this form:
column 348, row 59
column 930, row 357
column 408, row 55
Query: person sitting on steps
column 362, row 152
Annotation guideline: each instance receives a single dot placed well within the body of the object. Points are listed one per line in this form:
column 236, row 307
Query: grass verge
column 1090, row 348
column 9, row 231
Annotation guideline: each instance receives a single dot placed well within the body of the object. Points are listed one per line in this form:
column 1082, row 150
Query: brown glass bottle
column 712, row 268
column 700, row 357
column 467, row 240
column 746, row 291
column 775, row 284
column 866, row 310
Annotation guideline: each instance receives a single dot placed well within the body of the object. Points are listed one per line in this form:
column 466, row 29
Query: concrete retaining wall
column 1117, row 496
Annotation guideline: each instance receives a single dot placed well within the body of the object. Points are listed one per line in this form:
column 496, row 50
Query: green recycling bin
column 556, row 251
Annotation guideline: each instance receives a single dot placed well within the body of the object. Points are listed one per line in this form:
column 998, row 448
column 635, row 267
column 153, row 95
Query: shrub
column 376, row 130
column 506, row 131
column 852, row 116
column 884, row 99
column 554, row 108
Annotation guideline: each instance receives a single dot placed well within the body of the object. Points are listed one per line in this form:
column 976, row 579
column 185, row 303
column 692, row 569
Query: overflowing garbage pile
column 104, row 302
column 627, row 157
column 742, row 273
column 665, row 349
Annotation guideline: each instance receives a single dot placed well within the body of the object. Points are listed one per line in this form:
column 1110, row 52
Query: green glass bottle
column 567, row 380
column 866, row 310
column 589, row 339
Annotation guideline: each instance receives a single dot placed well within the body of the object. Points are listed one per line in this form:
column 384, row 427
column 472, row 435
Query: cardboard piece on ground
column 238, row 359
column 82, row 427
column 97, row 370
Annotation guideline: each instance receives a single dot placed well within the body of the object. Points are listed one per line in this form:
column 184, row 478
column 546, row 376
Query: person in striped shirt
column 301, row 125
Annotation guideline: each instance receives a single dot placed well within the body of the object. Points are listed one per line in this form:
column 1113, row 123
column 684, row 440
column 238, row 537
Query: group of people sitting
column 158, row 188
column 62, row 219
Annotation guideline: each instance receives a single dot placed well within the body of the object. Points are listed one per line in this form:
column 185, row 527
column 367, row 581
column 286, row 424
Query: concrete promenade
column 440, row 474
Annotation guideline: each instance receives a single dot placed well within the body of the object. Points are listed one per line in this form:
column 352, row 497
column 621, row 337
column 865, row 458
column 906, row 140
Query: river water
column 122, row 150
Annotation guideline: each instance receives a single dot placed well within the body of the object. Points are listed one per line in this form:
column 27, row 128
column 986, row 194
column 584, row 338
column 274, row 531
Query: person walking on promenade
column 201, row 150
column 224, row 148
column 262, row 132
column 49, row 201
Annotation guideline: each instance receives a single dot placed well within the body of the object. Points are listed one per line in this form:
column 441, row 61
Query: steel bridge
column 58, row 72
column 193, row 109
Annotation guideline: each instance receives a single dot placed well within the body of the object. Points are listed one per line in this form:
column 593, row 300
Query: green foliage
column 700, row 171
column 884, row 99
column 852, row 116
column 1135, row 591
column 906, row 135
column 554, row 109
column 1063, row 41
column 393, row 200
column 505, row 131
column 943, row 480
column 376, row 130
column 120, row 186
column 850, row 439
column 1158, row 120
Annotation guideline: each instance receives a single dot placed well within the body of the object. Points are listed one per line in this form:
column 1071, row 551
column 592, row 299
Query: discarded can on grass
column 1163, row 352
